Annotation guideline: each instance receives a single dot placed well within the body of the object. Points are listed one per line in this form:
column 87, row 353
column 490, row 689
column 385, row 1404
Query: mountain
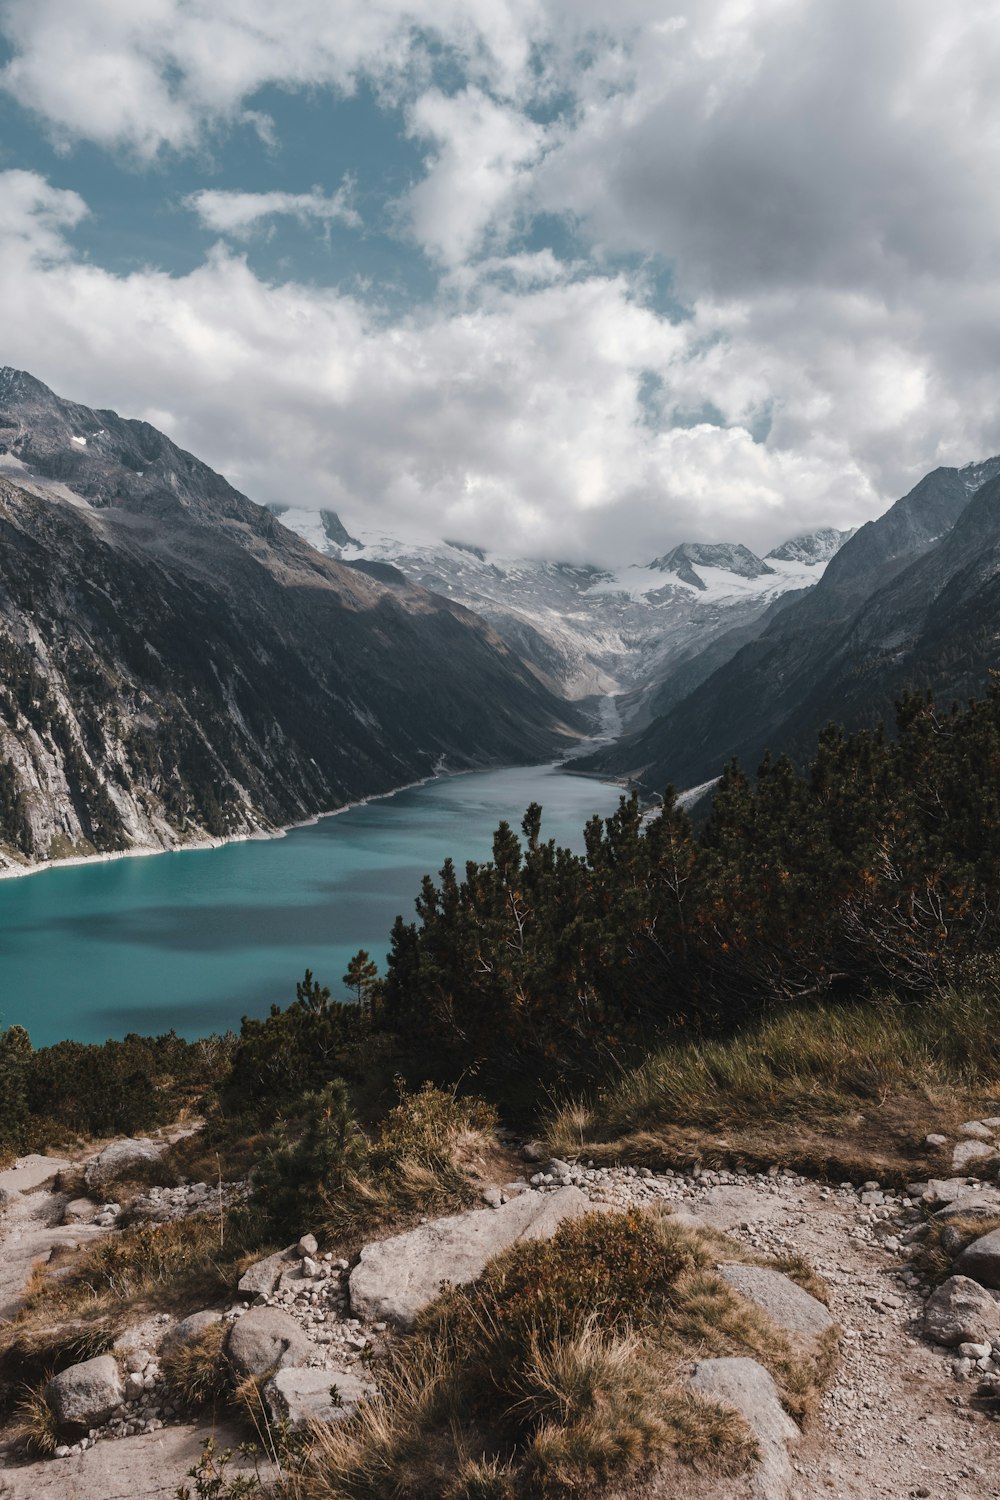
column 732, row 558
column 907, row 602
column 590, row 629
column 815, row 547
column 176, row 663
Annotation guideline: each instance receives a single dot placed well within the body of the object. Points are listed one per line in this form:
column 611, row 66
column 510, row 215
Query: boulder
column 397, row 1277
column 188, row 1330
column 975, row 1205
column 264, row 1339
column 961, row 1311
column 967, row 1152
column 85, row 1395
column 79, row 1211
column 947, row 1189
column 120, row 1159
column 976, row 1130
column 981, row 1260
column 784, row 1301
column 299, row 1396
column 260, row 1279
column 747, row 1388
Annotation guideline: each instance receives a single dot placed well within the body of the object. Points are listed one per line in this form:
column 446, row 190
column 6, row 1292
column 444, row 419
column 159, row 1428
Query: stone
column 308, row 1245
column 79, row 1211
column 137, row 1360
column 946, row 1189
column 533, row 1151
column 977, row 1129
column 260, row 1279
column 974, row 1204
column 187, row 1331
column 85, row 1395
column 492, row 1197
column 121, row 1159
column 300, row 1396
column 397, row 1277
column 981, row 1260
column 970, row 1151
column 266, row 1339
column 960, row 1311
column 785, row 1302
column 935, row 1141
column 748, row 1389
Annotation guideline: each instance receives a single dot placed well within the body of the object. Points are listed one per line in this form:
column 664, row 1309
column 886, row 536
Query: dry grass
column 561, row 1371
column 196, row 1373
column 433, row 1154
column 946, row 1241
column 33, row 1432
column 31, row 1352
column 833, row 1091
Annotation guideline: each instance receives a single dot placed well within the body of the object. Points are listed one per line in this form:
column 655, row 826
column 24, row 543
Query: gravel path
column 29, row 1225
column 894, row 1422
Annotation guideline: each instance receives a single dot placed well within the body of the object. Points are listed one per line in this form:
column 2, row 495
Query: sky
column 555, row 277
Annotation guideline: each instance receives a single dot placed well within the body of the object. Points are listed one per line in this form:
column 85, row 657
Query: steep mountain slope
column 175, row 662
column 906, row 602
column 591, row 629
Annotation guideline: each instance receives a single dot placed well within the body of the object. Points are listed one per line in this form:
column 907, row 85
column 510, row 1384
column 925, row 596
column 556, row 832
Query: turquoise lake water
column 196, row 940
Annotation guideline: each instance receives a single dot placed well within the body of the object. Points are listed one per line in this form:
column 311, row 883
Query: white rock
column 397, row 1277
column 86, row 1394
column 978, row 1129
column 961, row 1311
column 299, row 1396
column 970, row 1151
column 785, row 1302
column 119, row 1160
column 747, row 1387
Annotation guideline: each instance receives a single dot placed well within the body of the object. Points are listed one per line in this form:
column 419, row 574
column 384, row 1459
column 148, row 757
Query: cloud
column 483, row 154
column 162, row 75
column 513, row 417
column 816, row 180
column 240, row 214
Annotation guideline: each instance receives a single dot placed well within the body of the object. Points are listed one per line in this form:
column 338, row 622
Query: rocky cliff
column 175, row 663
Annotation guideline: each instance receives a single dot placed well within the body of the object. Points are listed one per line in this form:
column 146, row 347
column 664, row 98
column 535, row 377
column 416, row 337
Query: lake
column 196, row 939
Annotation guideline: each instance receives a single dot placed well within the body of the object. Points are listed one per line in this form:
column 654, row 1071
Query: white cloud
column 819, row 177
column 483, row 153
column 154, row 75
column 241, row 214
column 514, row 417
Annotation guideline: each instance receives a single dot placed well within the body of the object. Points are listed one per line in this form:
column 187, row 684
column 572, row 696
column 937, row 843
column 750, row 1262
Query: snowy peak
column 974, row 475
column 731, row 557
column 811, row 548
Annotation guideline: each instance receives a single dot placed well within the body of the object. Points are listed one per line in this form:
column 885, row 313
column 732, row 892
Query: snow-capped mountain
column 815, row 547
column 175, row 664
column 591, row 630
column 910, row 602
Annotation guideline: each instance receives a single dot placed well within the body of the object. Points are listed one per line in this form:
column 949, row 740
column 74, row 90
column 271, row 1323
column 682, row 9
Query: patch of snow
column 82, row 441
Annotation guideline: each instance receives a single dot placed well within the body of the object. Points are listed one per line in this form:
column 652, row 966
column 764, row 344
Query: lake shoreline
column 199, row 846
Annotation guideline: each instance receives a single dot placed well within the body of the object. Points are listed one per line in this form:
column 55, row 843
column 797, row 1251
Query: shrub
column 196, row 1373
column 296, row 1179
column 613, row 1270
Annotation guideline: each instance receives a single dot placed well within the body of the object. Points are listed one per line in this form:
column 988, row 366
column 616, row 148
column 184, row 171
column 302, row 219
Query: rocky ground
column 904, row 1416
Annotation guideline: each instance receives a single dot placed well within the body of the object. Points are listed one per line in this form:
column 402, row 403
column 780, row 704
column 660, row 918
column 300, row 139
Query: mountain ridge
column 848, row 647
column 179, row 665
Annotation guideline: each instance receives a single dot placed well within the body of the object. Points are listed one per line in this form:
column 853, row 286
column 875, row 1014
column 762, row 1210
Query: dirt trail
column 894, row 1422
column 29, row 1225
